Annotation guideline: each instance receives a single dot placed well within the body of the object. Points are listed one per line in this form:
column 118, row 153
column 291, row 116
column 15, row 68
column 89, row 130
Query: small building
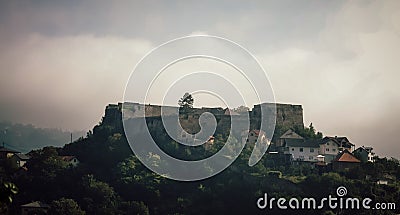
column 301, row 150
column 72, row 160
column 288, row 135
column 209, row 143
column 345, row 161
column 34, row 208
column 329, row 148
column 382, row 182
column 18, row 160
column 253, row 136
column 365, row 154
column 6, row 152
column 343, row 143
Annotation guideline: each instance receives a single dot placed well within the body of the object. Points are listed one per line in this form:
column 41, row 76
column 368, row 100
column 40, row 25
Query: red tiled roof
column 346, row 156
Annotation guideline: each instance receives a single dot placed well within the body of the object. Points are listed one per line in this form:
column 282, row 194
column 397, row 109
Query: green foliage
column 306, row 132
column 111, row 180
column 186, row 102
column 134, row 208
column 65, row 206
column 309, row 133
column 46, row 164
column 101, row 198
column 241, row 109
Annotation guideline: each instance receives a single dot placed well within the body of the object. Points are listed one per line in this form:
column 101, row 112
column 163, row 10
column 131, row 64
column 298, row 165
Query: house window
column 310, row 158
column 334, row 150
column 327, row 149
column 311, row 150
column 251, row 134
column 327, row 144
column 292, row 149
column 301, row 149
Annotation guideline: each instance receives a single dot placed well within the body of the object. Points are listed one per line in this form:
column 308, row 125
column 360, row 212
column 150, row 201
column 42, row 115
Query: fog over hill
column 26, row 137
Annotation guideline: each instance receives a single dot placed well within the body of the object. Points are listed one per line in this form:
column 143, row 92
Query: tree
column 132, row 207
column 65, row 206
column 186, row 101
column 100, row 197
column 308, row 133
column 241, row 109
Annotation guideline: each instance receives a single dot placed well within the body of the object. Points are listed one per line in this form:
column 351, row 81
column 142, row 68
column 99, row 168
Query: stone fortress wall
column 287, row 115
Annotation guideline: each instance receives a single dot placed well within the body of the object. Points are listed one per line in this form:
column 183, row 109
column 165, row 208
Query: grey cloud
column 62, row 62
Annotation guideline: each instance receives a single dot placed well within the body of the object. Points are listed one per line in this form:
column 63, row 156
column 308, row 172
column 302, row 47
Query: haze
column 61, row 63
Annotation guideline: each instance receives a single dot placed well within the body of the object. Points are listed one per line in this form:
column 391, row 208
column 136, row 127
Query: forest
column 111, row 180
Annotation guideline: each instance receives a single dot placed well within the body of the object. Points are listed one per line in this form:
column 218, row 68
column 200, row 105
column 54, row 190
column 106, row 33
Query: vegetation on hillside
column 111, row 180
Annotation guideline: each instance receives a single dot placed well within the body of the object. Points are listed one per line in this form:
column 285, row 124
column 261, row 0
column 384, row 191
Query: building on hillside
column 365, row 154
column 329, row 149
column 344, row 143
column 34, row 208
column 18, row 160
column 301, row 150
column 324, row 150
column 6, row 152
column 382, row 182
column 72, row 160
column 208, row 145
column 345, row 161
column 251, row 137
column 289, row 134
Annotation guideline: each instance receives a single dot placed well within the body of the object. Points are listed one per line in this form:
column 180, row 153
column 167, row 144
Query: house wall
column 308, row 153
column 362, row 155
column 74, row 162
column 330, row 150
column 16, row 162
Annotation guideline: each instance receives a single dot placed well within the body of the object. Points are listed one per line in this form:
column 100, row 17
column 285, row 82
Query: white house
column 301, row 150
column 18, row 160
column 324, row 150
column 344, row 143
column 72, row 160
column 329, row 148
column 382, row 182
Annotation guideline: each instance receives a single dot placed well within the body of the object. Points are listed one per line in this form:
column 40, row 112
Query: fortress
column 287, row 115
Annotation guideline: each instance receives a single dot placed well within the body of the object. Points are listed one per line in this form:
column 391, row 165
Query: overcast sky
column 62, row 62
